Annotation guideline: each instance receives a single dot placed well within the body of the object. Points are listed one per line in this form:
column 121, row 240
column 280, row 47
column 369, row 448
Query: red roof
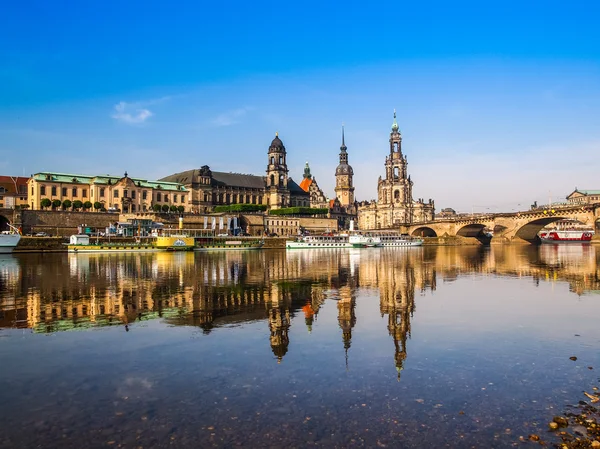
column 8, row 183
column 305, row 184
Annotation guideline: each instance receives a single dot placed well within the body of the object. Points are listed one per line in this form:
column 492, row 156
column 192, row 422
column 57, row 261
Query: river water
column 412, row 347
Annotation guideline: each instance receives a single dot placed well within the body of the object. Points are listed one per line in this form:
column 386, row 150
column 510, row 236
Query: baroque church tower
column 277, row 192
column 344, row 190
column 396, row 188
column 395, row 205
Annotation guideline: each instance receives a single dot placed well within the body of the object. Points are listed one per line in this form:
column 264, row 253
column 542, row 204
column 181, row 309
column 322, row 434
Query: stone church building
column 395, row 204
column 275, row 190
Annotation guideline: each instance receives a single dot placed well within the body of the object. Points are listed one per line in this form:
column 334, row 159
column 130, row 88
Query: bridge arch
column 424, row 231
column 4, row 222
column 529, row 231
column 471, row 230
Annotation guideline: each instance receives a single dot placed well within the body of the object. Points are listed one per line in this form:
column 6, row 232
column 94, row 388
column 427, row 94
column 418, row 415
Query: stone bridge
column 507, row 227
column 12, row 216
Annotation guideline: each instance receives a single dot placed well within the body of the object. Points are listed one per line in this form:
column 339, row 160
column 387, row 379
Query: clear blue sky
column 498, row 102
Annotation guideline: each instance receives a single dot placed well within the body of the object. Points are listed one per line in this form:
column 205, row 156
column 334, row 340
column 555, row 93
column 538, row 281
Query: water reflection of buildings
column 58, row 292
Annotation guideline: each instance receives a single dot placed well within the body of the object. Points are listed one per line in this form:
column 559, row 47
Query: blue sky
column 498, row 104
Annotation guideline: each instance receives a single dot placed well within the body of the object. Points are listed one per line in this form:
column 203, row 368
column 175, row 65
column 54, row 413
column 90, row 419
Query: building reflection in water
column 49, row 293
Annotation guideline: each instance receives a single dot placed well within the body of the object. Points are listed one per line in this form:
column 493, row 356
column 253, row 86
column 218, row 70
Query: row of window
column 64, row 192
column 283, row 223
column 226, row 198
column 22, row 189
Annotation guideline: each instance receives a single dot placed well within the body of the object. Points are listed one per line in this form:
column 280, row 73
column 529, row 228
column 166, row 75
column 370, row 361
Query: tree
column 87, row 205
column 180, row 209
column 77, row 204
column 45, row 203
column 24, row 206
column 156, row 207
column 66, row 204
column 56, row 204
column 173, row 208
column 97, row 205
column 165, row 208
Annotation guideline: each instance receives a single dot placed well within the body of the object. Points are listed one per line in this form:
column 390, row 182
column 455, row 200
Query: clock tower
column 278, row 194
column 344, row 190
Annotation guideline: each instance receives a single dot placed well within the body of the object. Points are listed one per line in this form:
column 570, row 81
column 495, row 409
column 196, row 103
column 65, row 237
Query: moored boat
column 9, row 240
column 364, row 241
column 80, row 243
column 319, row 241
column 566, row 236
column 398, row 240
column 228, row 244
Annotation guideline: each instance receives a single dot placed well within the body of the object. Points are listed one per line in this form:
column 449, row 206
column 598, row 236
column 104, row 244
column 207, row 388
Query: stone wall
column 318, row 225
column 63, row 222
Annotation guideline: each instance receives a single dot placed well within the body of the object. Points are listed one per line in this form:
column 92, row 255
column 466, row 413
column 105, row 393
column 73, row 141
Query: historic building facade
column 13, row 192
column 125, row 194
column 583, row 197
column 394, row 205
column 275, row 190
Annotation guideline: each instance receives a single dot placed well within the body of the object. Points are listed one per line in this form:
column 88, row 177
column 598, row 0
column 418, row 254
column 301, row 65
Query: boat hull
column 123, row 248
column 290, row 244
column 561, row 241
column 566, row 236
column 402, row 243
column 8, row 242
column 228, row 246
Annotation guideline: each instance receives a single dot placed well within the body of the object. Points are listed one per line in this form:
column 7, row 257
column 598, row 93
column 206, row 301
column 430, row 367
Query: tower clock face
column 345, row 193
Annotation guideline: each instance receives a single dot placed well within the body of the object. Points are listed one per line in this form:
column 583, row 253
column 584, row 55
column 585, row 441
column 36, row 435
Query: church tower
column 278, row 194
column 396, row 189
column 344, row 190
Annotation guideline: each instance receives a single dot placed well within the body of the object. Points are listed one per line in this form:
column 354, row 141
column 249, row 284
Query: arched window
column 397, row 195
column 280, row 180
column 281, row 159
column 395, row 172
column 272, row 180
column 272, row 160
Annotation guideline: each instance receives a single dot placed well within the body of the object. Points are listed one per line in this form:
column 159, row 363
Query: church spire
column 343, row 147
column 307, row 174
column 395, row 124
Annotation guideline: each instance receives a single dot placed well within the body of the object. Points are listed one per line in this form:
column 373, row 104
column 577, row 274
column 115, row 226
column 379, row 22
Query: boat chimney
column 180, row 222
column 352, row 225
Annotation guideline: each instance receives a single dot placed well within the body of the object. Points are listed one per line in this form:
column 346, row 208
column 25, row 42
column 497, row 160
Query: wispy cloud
column 230, row 117
column 127, row 113
column 136, row 113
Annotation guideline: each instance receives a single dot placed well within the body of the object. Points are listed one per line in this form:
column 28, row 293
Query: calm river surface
column 414, row 347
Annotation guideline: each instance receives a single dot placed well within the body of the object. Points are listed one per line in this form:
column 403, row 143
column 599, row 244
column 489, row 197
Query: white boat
column 364, row 241
column 319, row 241
column 566, row 236
column 396, row 240
column 9, row 239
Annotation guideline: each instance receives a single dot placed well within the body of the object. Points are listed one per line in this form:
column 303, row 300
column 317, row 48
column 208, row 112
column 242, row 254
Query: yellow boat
column 80, row 243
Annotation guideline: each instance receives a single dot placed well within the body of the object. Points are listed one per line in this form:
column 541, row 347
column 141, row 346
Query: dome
column 344, row 169
column 276, row 144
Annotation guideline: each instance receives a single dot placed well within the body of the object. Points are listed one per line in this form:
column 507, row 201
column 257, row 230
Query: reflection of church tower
column 346, row 317
column 279, row 325
column 309, row 315
column 399, row 329
column 278, row 194
column 344, row 190
column 398, row 302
